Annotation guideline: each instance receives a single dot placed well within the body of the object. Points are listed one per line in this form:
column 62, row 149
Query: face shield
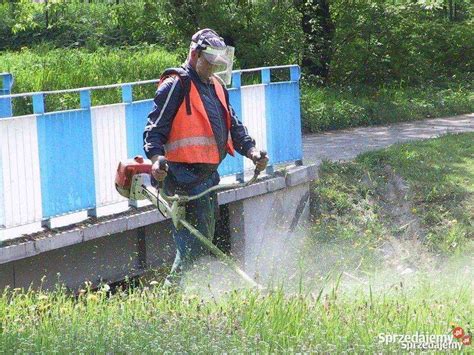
column 221, row 60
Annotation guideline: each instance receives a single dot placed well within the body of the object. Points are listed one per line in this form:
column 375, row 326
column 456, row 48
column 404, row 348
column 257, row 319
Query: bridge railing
column 57, row 168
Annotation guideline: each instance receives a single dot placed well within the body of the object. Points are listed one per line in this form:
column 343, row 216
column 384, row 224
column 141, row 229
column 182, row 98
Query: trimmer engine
column 127, row 170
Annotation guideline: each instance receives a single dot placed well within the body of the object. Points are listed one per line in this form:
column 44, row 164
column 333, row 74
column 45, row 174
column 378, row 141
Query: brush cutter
column 133, row 181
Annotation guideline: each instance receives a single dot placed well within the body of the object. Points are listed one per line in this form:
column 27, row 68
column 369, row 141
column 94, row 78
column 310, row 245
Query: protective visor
column 222, row 60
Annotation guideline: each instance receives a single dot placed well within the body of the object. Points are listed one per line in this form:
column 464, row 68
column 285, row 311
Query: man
column 194, row 126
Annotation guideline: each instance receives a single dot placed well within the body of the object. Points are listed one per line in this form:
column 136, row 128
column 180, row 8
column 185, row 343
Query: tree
column 318, row 31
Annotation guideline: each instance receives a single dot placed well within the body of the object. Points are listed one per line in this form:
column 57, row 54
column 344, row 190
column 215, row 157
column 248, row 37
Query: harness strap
column 185, row 81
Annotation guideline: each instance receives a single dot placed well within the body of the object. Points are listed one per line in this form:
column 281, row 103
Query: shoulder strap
column 185, row 81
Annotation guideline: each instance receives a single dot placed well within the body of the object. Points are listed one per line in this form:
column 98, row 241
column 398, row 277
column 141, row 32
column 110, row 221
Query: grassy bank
column 335, row 108
column 422, row 190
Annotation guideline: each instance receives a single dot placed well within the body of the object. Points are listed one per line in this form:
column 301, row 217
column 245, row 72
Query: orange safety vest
column 191, row 139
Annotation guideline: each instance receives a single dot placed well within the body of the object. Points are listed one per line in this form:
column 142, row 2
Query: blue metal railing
column 56, row 163
column 6, row 80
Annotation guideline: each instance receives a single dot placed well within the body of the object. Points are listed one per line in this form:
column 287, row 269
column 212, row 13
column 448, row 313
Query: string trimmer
column 133, row 181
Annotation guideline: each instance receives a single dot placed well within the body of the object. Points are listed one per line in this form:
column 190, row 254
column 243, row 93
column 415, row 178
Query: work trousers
column 201, row 214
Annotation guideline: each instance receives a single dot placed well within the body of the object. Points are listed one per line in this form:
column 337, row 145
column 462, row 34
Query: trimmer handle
column 162, row 165
column 263, row 154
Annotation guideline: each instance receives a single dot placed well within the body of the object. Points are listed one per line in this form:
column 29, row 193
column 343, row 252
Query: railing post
column 127, row 94
column 295, row 73
column 265, row 76
column 266, row 79
column 237, row 84
column 85, row 99
column 6, row 103
column 127, row 98
column 38, row 103
column 237, row 80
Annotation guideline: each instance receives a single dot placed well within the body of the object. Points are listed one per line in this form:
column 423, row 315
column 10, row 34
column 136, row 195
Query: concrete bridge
column 61, row 218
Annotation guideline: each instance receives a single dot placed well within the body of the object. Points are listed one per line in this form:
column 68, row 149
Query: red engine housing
column 127, row 169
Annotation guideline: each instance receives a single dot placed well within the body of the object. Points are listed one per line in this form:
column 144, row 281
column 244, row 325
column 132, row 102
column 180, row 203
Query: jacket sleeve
column 166, row 103
column 238, row 132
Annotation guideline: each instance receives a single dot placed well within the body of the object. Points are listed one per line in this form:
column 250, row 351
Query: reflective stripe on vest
column 191, row 139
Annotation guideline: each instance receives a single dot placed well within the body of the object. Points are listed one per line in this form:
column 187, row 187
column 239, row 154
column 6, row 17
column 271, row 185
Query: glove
column 159, row 169
column 259, row 158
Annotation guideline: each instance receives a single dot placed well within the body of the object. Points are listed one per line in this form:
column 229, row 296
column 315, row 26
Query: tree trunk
column 46, row 13
column 450, row 4
column 318, row 28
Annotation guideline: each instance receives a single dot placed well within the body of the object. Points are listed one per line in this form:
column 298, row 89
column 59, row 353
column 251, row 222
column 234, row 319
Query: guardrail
column 62, row 164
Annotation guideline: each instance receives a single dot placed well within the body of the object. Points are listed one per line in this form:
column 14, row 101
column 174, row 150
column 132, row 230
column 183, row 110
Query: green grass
column 146, row 320
column 353, row 199
column 335, row 108
column 46, row 69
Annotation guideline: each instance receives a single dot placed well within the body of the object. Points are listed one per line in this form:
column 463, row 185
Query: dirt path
column 347, row 144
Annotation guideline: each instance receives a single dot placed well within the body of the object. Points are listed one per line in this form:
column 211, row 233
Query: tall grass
column 335, row 108
column 147, row 320
column 45, row 69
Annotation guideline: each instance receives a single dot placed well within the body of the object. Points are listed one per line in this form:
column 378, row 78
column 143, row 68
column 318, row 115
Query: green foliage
column 263, row 32
column 251, row 27
column 79, row 24
column 376, row 42
column 318, row 28
column 377, row 51
column 46, row 69
column 362, row 42
column 341, row 107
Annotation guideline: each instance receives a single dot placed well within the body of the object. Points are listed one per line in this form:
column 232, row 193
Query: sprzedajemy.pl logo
column 464, row 337
column 455, row 339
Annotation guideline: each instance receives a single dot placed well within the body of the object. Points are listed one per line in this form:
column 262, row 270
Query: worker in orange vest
column 193, row 126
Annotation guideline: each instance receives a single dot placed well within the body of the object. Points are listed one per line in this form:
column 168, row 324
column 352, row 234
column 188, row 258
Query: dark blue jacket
column 168, row 99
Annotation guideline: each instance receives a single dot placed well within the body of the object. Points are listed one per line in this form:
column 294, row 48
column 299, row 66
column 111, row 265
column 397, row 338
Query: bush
column 376, row 43
column 251, row 27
